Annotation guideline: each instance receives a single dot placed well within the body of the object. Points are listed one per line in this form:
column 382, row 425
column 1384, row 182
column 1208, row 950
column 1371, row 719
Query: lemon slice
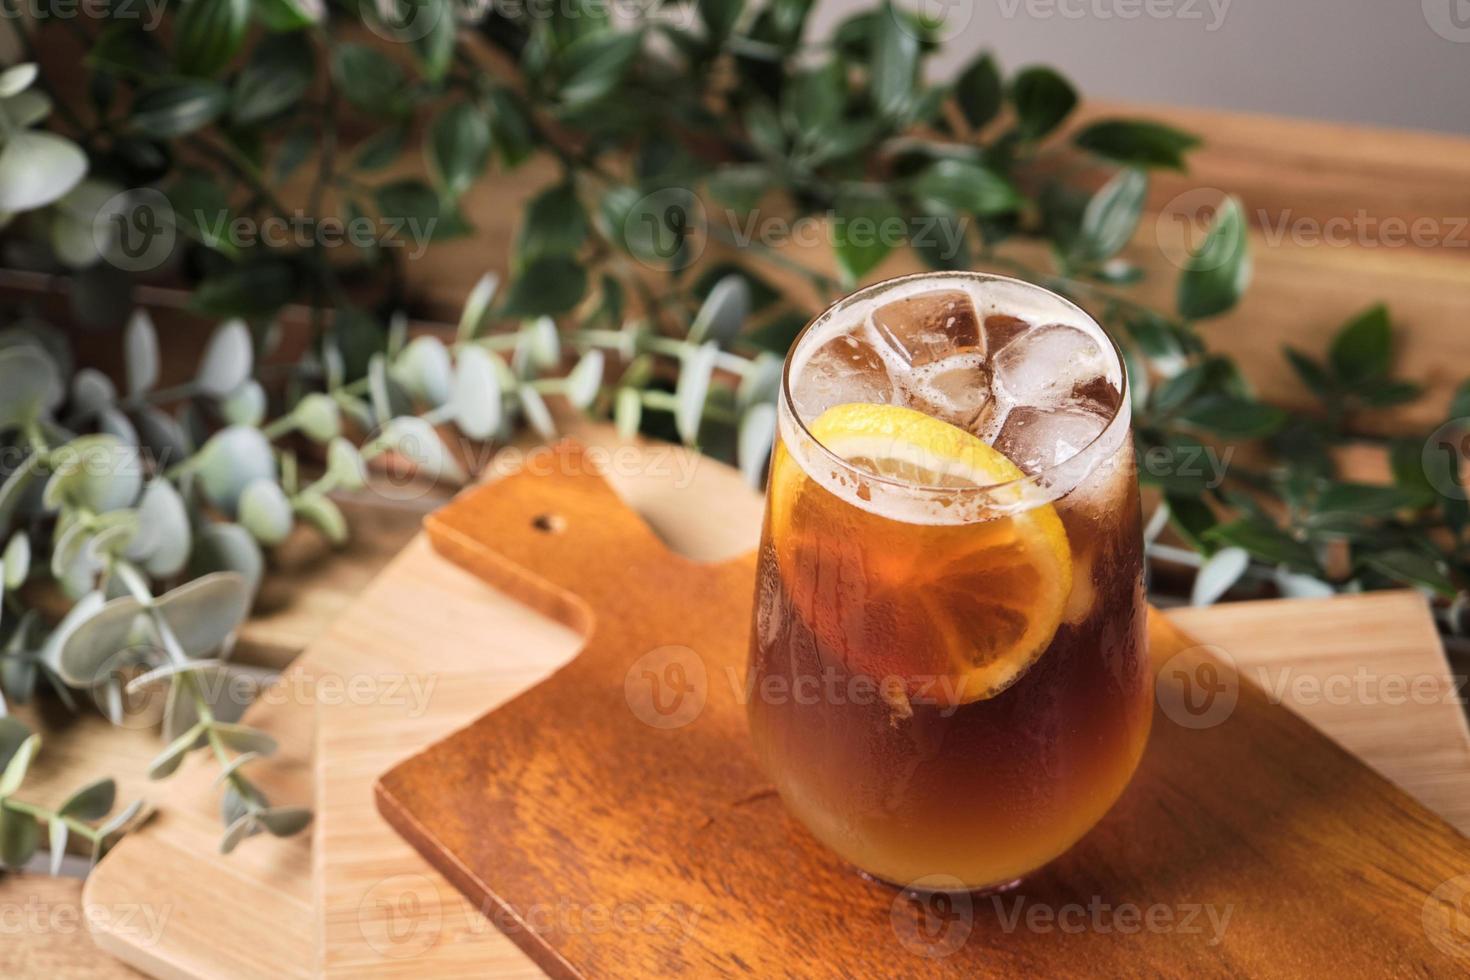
column 959, row 611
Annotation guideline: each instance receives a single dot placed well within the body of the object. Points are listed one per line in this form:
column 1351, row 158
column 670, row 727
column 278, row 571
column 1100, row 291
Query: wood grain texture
column 574, row 803
column 43, row 932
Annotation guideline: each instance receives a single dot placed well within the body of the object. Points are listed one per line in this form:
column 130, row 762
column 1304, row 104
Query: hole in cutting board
column 549, row 523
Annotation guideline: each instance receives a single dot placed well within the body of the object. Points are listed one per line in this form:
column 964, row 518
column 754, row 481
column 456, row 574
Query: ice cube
column 955, row 389
column 1042, row 367
column 1036, row 439
column 844, row 369
column 925, row 328
column 1001, row 329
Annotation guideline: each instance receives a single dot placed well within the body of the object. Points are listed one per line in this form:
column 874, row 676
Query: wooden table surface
column 1285, row 170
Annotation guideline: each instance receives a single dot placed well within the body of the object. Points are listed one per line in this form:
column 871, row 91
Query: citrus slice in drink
column 956, row 612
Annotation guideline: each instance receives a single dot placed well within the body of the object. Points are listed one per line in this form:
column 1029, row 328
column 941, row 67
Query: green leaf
column 207, row 33
column 1216, row 577
column 865, row 229
column 16, row 562
column 17, row 78
column 167, row 762
column 1191, row 518
column 228, row 359
column 344, row 465
column 1362, row 498
column 814, row 99
column 140, row 350
column 965, row 187
column 510, row 128
column 434, row 47
column 284, row 821
column 380, row 149
column 411, row 202
column 91, row 802
column 895, row 66
column 740, row 186
column 223, row 547
column 719, row 17
column 164, row 534
column 1111, row 215
column 538, row 416
column 177, row 108
column 1411, row 568
column 15, row 767
column 585, row 380
column 1362, row 351
column 1042, row 99
column 1264, row 541
column 29, row 386
column 754, row 440
column 97, row 473
column 288, row 15
column 692, row 389
column 1311, row 371
column 459, row 147
column 1137, row 142
column 476, row 309
column 723, row 312
column 367, row 78
column 318, row 417
column 593, row 65
column 276, row 78
column 980, row 91
column 476, row 395
column 323, row 514
column 234, row 457
column 1228, row 415
column 554, row 226
column 256, row 289
column 1215, row 276
column 205, row 613
column 547, row 286
column 628, row 412
column 20, row 835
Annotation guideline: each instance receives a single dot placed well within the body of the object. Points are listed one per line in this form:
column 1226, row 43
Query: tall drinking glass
column 949, row 680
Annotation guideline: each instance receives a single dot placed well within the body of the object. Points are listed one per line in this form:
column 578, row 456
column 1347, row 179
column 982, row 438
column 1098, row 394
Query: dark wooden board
column 606, row 844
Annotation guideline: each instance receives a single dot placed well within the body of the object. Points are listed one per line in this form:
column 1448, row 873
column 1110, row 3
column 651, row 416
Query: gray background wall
column 1403, row 63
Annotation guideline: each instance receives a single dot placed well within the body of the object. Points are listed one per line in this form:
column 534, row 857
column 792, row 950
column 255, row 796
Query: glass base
column 934, row 885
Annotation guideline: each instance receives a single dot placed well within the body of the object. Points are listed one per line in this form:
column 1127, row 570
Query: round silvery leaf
column 265, row 512
column 13, row 734
column 537, row 414
column 227, row 360
column 628, row 412
column 283, row 821
column 97, row 473
column 168, row 761
column 545, row 342
column 723, row 312
column 91, row 391
column 91, row 802
column 761, row 383
column 245, row 405
column 416, row 440
column 223, row 547
column 243, row 738
column 344, row 465
column 13, row 489
column 71, row 561
column 754, row 440
column 584, row 380
column 477, row 396
column 324, row 515
column 16, row 79
column 230, row 460
column 17, row 560
column 36, row 168
column 213, row 683
column 140, row 348
column 162, row 436
column 76, row 218
column 472, row 317
column 20, row 835
column 114, row 423
column 318, row 417
column 359, row 412
column 204, row 613
column 388, row 398
column 28, row 385
column 112, row 538
column 692, row 389
column 28, row 108
column 424, row 370
column 92, row 646
column 82, row 610
column 163, row 538
column 236, row 832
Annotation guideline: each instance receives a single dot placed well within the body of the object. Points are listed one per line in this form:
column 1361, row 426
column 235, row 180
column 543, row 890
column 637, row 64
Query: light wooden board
column 695, row 503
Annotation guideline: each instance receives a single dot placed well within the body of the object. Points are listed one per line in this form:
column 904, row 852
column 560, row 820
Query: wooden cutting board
column 613, row 829
column 386, row 912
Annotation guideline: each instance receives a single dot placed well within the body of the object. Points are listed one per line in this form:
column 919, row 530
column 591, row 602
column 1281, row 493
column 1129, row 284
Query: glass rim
column 1040, row 478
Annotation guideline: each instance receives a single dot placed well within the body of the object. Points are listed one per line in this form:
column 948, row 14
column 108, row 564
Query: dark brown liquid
column 905, row 786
